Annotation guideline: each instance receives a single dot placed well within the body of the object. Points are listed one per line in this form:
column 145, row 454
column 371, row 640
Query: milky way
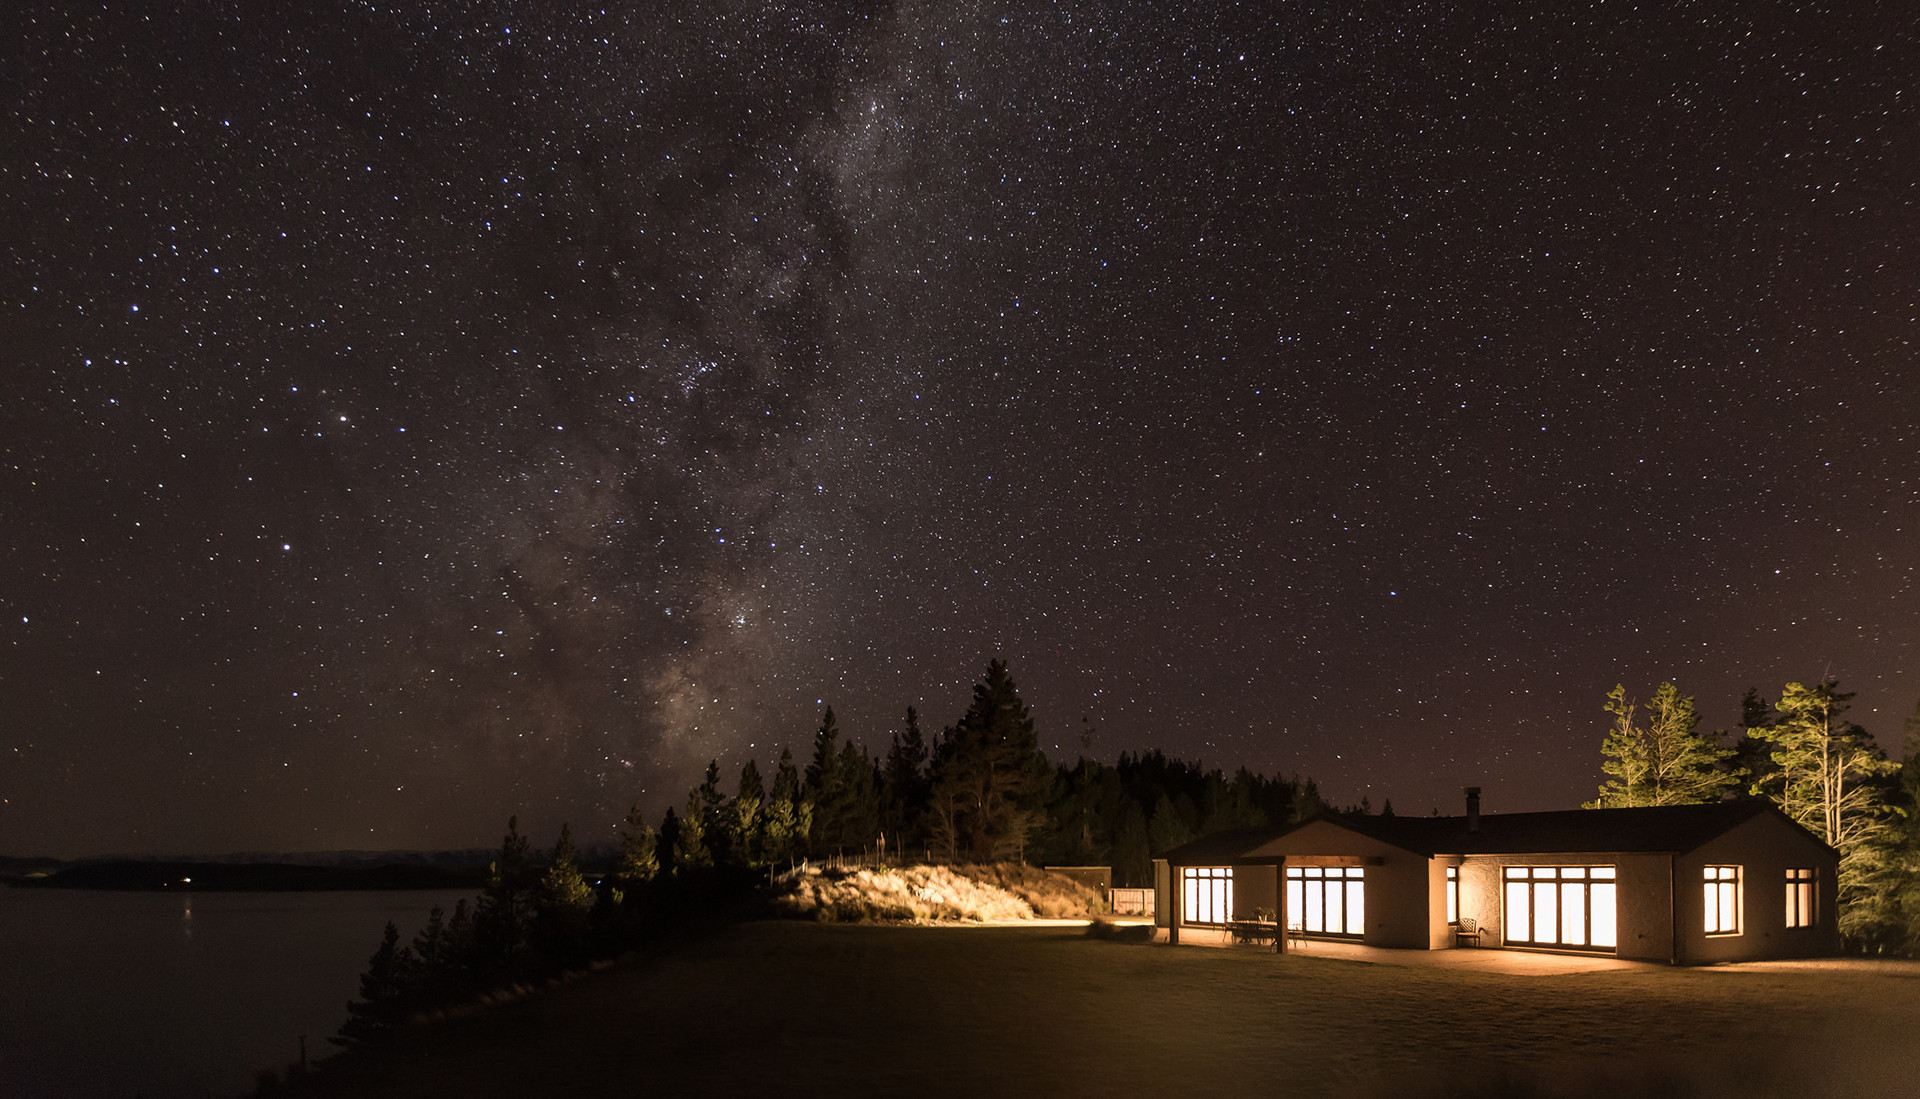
column 422, row 413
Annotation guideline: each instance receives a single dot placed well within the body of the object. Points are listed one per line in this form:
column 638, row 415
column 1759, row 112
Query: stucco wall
column 1640, row 896
column 1397, row 892
column 1254, row 887
column 1763, row 848
column 1162, row 894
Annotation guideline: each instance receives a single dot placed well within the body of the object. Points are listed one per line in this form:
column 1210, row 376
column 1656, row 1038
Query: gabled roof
column 1655, row 829
column 1651, row 828
column 1221, row 847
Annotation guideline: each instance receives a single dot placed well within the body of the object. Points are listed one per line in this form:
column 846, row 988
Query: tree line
column 978, row 791
column 1805, row 755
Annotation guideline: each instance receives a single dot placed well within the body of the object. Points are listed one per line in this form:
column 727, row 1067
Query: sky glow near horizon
column 415, row 422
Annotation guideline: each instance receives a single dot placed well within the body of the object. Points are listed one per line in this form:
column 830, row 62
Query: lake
column 180, row 994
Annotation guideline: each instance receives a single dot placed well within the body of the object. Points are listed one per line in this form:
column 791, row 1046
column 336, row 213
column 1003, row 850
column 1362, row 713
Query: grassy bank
column 812, row 1009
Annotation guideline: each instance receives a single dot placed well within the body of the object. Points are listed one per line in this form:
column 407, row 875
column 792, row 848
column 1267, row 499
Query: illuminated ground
column 795, row 1008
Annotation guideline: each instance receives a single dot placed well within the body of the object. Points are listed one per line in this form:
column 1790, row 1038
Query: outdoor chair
column 1467, row 932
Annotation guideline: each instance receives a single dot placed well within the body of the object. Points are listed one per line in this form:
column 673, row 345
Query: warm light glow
column 1328, row 900
column 1453, row 894
column 1570, row 906
column 1722, row 900
column 1800, row 897
column 1208, row 894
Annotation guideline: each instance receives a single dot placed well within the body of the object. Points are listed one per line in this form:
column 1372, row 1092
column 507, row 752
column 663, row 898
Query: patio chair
column 1466, row 932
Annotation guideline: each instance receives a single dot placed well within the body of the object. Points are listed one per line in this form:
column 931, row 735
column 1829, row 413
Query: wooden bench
column 1467, row 932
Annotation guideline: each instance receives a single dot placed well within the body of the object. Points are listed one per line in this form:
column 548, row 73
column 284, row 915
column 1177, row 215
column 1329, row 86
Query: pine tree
column 1132, row 850
column 561, row 903
column 562, row 888
column 690, row 843
column 386, row 993
column 1664, row 762
column 858, row 819
column 989, row 776
column 746, row 838
column 1831, row 779
column 714, row 817
column 639, row 859
column 826, row 789
column 1167, row 828
column 786, row 823
column 506, row 908
column 904, row 787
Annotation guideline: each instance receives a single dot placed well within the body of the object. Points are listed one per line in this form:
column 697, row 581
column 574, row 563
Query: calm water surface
column 166, row 995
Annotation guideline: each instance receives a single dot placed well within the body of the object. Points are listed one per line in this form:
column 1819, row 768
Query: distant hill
column 202, row 876
column 13, row 867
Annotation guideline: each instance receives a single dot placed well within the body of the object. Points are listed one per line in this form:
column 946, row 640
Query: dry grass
column 920, row 894
column 797, row 1008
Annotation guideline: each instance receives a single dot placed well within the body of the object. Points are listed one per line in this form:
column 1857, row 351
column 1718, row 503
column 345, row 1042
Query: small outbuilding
column 1685, row 884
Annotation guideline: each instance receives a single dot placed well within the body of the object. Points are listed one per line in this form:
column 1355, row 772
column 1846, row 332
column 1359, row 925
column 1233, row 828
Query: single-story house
column 1684, row 884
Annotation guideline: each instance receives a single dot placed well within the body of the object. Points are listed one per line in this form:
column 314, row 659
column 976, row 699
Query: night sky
column 419, row 414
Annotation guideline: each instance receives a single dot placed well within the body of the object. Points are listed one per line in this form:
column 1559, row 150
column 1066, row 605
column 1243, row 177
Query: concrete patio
column 1479, row 959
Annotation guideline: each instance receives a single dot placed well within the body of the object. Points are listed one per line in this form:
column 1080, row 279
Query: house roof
column 1652, row 828
column 1221, row 847
column 1662, row 828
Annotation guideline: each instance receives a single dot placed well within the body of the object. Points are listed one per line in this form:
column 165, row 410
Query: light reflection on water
column 164, row 995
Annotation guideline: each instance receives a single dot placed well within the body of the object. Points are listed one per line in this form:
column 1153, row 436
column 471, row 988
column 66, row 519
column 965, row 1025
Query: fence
column 1132, row 902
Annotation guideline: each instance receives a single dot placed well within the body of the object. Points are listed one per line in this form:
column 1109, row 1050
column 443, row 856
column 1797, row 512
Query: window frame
column 1453, row 896
column 1803, row 897
column 1557, row 882
column 1720, row 900
column 1217, row 891
column 1351, row 906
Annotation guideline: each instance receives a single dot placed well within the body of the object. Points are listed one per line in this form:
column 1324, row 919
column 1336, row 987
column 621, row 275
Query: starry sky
column 422, row 413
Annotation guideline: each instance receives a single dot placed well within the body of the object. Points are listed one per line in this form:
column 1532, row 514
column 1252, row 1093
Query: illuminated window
column 1723, row 900
column 1561, row 906
column 1800, row 897
column 1208, row 894
column 1327, row 900
column 1453, row 894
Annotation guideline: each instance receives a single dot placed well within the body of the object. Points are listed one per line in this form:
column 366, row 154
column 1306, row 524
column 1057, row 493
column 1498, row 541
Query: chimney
column 1473, row 808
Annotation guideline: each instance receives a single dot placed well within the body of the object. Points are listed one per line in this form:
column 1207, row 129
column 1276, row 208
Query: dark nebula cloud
column 421, row 413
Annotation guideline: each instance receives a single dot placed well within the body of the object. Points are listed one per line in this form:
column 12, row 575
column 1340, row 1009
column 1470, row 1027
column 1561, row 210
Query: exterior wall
column 1641, row 912
column 1162, row 894
column 1399, row 910
column 1439, row 931
column 1170, row 918
column 1763, row 848
column 1255, row 886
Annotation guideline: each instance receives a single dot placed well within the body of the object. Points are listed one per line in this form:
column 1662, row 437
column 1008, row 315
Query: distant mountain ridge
column 200, row 877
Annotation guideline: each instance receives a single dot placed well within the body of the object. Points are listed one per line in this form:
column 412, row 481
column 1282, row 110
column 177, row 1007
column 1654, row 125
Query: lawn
column 813, row 1009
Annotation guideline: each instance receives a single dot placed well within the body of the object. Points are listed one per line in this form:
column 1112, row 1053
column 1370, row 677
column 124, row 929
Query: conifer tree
column 690, row 843
column 1666, row 761
column 386, row 993
column 638, row 861
column 786, row 822
column 561, row 903
column 1167, row 828
column 506, row 903
column 904, row 786
column 1829, row 776
column 562, row 888
column 857, row 821
column 746, row 831
column 714, row 815
column 989, row 776
column 826, row 789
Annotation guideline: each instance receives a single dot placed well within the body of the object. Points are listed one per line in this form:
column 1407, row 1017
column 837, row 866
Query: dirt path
column 807, row 1009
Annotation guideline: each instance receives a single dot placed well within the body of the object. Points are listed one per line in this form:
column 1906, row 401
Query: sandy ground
column 809, row 1009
